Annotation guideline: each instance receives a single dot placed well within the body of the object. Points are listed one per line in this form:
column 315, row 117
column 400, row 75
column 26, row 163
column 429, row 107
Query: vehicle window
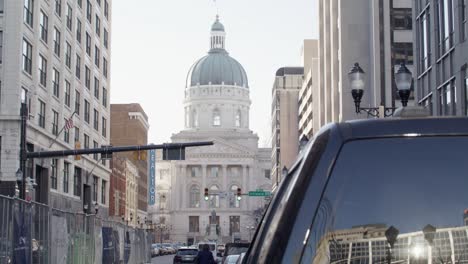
column 237, row 250
column 401, row 199
column 187, row 252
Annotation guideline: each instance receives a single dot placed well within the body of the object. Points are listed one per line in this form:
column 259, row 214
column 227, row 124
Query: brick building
column 117, row 187
column 129, row 126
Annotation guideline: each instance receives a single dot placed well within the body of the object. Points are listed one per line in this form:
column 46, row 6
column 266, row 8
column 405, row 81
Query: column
column 183, row 175
column 204, row 204
column 224, row 186
column 244, row 187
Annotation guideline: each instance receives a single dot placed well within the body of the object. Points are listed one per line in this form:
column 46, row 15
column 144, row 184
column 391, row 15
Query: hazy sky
column 155, row 42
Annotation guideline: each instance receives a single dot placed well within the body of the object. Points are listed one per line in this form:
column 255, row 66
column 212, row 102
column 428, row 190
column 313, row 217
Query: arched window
column 214, row 196
column 216, row 118
column 194, row 118
column 194, row 197
column 238, row 118
column 233, row 202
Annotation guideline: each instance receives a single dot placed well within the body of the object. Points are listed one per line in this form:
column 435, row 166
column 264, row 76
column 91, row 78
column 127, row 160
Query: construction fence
column 36, row 233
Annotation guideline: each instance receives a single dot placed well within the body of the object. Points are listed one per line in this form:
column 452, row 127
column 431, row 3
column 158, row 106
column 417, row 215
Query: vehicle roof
column 186, row 248
column 365, row 128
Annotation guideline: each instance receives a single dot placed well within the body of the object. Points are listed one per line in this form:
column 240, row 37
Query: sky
column 154, row 44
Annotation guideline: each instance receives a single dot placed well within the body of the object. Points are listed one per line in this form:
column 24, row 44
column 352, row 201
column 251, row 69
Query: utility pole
column 23, row 153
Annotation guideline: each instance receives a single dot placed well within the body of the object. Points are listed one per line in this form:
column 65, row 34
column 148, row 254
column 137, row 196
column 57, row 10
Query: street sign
column 260, row 193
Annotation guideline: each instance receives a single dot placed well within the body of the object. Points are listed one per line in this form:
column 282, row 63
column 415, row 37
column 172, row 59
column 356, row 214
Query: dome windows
column 194, row 118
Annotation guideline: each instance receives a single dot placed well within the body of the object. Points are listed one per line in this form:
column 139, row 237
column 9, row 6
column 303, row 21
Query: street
column 163, row 259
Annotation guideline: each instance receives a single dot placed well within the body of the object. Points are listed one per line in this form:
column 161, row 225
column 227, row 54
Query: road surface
column 162, row 259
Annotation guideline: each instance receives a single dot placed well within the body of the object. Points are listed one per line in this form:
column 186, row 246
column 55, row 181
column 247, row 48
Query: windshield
column 237, row 250
column 187, row 252
column 409, row 194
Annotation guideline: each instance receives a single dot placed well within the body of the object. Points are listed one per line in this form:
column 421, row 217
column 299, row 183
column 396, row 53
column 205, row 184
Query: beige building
column 131, row 192
column 284, row 120
column 309, row 88
column 375, row 34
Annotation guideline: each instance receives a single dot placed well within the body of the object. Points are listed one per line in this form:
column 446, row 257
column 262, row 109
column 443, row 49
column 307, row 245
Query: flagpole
column 61, row 130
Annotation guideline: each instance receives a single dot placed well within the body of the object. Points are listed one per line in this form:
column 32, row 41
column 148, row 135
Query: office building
column 55, row 56
column 309, row 88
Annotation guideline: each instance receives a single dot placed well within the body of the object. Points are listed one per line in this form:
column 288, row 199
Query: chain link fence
column 36, row 233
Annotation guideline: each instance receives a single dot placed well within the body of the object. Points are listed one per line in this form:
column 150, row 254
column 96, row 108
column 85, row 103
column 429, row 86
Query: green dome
column 217, row 26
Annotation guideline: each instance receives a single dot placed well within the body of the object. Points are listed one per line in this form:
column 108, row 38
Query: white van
column 212, row 246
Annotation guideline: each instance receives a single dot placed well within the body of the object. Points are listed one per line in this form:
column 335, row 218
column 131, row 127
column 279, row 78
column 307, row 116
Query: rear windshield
column 236, row 250
column 410, row 194
column 187, row 252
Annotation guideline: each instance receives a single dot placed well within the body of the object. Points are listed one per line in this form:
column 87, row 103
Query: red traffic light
column 206, row 194
column 239, row 193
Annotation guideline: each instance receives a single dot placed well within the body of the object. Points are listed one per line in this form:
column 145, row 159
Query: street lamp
column 403, row 80
column 391, row 234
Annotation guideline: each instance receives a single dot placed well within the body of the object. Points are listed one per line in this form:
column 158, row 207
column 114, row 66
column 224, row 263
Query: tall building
column 284, row 120
column 309, row 88
column 217, row 104
column 129, row 126
column 441, row 61
column 56, row 57
column 375, row 34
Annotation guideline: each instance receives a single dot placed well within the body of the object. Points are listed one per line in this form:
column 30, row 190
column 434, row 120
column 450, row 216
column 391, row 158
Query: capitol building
column 217, row 104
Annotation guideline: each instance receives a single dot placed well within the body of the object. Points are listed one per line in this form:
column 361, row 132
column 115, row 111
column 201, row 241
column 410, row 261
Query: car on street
column 381, row 190
column 220, row 250
column 155, row 250
column 170, row 249
column 235, row 248
column 241, row 258
column 186, row 255
column 231, row 259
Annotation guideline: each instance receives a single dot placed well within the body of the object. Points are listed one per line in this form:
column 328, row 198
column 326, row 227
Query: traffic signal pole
column 108, row 150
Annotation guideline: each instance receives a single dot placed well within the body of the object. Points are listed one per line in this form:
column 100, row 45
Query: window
column 104, row 127
column 233, row 201
column 95, row 155
column 87, row 77
column 104, row 97
column 98, row 26
column 58, row 7
column 194, row 197
column 28, row 12
column 402, row 19
column 44, row 26
column 55, row 122
column 464, row 19
column 69, row 17
column 238, row 118
column 42, row 71
column 234, row 224
column 403, row 53
column 194, row 224
column 99, row 2
column 68, row 55
column 267, row 174
column 194, row 171
column 80, row 3
column 466, row 91
column 95, row 188
column 86, row 141
column 1, row 46
column 27, row 57
column 194, row 118
column 216, row 118
column 78, row 30
column 103, row 192
column 355, row 197
column 66, row 132
column 96, row 119
column 215, row 171
column 53, row 176
column 56, row 82
column 106, row 9
column 89, row 10
column 104, row 67
column 446, row 15
column 424, row 41
column 56, row 42
column 77, row 134
column 86, row 111
column 97, row 56
column 77, row 182
column 106, row 39
column 214, row 196
column 96, row 88
column 447, row 99
column 78, row 66
column 88, row 44
column 66, row 176
column 77, row 102
column 42, row 108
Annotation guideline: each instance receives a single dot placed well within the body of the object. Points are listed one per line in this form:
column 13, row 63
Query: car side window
column 394, row 198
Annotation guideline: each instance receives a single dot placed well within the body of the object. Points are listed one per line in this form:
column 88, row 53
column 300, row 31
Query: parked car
column 169, row 248
column 241, row 258
column 231, row 259
column 220, row 250
column 235, row 249
column 368, row 186
column 186, row 255
column 155, row 250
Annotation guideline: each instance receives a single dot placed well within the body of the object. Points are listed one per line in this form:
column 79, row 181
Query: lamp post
column 391, row 234
column 403, row 80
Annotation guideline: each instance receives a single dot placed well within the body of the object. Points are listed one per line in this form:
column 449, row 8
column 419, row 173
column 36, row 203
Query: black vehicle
column 235, row 249
column 186, row 255
column 386, row 191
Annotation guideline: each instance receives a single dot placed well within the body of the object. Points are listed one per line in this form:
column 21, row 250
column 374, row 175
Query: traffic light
column 139, row 155
column 77, row 146
column 206, row 194
column 239, row 194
